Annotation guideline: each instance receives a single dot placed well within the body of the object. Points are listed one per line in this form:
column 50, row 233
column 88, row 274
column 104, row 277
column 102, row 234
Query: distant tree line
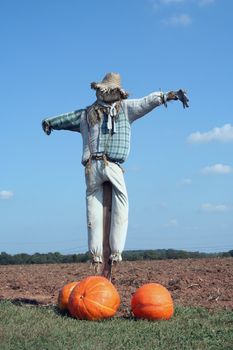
column 38, row 258
column 130, row 255
column 163, row 254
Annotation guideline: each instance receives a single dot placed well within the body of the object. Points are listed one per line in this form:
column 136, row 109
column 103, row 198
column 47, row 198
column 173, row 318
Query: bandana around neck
column 96, row 110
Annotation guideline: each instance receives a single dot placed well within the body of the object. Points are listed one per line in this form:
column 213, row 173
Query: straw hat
column 111, row 81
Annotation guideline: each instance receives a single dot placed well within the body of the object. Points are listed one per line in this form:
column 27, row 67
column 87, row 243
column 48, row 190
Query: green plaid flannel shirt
column 115, row 145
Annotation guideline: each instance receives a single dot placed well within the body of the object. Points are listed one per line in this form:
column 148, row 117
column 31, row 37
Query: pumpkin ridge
column 100, row 292
column 70, row 305
column 81, row 305
column 90, row 289
column 88, row 315
column 101, row 305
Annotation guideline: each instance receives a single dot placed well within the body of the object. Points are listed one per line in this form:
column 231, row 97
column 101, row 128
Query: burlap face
column 110, row 96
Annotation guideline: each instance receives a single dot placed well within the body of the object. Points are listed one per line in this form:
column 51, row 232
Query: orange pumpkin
column 152, row 301
column 64, row 295
column 94, row 298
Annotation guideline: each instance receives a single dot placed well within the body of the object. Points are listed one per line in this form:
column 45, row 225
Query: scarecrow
column 105, row 127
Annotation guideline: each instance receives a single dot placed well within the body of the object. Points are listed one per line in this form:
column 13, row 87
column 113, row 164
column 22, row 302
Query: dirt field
column 202, row 282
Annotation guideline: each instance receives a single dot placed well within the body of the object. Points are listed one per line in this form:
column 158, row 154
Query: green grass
column 29, row 327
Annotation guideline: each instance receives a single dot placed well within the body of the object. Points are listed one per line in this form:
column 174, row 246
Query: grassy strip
column 29, row 327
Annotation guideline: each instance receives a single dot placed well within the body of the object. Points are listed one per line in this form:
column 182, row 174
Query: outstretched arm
column 137, row 108
column 68, row 121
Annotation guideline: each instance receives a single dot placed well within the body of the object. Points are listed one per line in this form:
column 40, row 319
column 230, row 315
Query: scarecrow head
column 109, row 90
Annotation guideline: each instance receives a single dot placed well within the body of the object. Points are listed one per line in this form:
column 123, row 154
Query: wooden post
column 107, row 208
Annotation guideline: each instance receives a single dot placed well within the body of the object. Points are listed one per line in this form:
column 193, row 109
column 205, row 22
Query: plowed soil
column 201, row 282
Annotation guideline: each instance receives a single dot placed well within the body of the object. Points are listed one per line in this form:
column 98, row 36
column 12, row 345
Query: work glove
column 178, row 95
column 46, row 127
column 181, row 95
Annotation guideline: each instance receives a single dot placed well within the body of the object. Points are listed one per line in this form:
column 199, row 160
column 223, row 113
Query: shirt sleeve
column 137, row 108
column 68, row 121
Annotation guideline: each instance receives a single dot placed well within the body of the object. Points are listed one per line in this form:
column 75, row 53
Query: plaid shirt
column 117, row 145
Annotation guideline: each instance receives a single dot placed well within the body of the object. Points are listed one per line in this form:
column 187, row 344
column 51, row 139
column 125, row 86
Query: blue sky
column 179, row 173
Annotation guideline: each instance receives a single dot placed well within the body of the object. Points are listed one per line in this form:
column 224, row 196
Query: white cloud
column 214, row 208
column 178, row 20
column 6, row 194
column 217, row 169
column 223, row 134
